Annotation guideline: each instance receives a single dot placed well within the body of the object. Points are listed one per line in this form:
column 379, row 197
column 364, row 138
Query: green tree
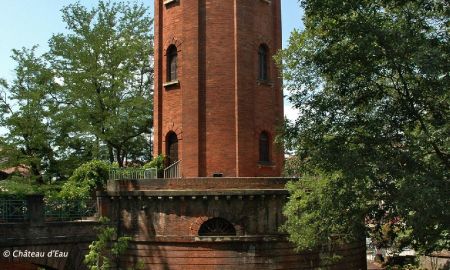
column 104, row 68
column 371, row 82
column 25, row 113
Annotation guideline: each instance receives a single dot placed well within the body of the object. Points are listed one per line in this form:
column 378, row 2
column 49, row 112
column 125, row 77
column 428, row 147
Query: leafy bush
column 85, row 179
column 108, row 247
column 158, row 163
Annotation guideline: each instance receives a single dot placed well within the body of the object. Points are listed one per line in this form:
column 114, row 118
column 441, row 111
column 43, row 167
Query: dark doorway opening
column 172, row 147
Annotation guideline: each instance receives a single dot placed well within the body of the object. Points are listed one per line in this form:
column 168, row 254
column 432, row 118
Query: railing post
column 173, row 171
column 36, row 212
column 132, row 174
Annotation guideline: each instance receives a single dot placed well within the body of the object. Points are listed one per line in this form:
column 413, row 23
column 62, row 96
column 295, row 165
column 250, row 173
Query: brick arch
column 172, row 41
column 195, row 225
column 262, row 40
column 267, row 46
column 217, row 227
column 264, row 128
column 268, row 132
column 173, row 128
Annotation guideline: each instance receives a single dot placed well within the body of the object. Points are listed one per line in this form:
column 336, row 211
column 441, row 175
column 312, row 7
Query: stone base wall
column 234, row 255
column 164, row 218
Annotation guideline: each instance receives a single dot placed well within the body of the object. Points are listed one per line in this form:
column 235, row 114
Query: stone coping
column 47, row 224
column 196, row 194
column 210, row 239
column 210, row 183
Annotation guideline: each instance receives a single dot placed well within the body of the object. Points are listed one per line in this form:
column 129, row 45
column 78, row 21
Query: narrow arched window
column 216, row 227
column 263, row 63
column 172, row 58
column 264, row 143
column 172, row 147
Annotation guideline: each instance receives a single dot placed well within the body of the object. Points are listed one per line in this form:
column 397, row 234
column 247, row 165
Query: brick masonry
column 219, row 107
column 164, row 216
column 71, row 237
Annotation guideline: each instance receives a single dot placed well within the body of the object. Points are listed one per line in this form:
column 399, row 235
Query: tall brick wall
column 219, row 107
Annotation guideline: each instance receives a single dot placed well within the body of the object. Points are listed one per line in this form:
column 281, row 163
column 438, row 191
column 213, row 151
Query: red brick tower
column 218, row 103
column 218, row 100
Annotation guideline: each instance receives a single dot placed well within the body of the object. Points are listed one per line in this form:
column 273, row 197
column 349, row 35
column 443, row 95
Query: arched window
column 264, row 149
column 263, row 63
column 172, row 147
column 216, row 227
column 172, row 56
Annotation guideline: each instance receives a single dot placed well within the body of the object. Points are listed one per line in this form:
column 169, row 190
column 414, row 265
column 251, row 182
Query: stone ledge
column 168, row 2
column 171, row 83
column 218, row 183
column 196, row 194
column 215, row 239
column 257, row 238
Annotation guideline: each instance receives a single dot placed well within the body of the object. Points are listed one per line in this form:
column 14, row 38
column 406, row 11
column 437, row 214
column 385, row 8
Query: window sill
column 265, row 82
column 168, row 2
column 263, row 164
column 171, row 83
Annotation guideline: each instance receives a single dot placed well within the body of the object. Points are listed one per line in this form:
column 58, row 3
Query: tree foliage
column 371, row 82
column 88, row 97
column 85, row 180
column 104, row 65
column 29, row 139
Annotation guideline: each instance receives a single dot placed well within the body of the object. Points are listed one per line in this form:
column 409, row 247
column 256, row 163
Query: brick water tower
column 218, row 100
column 218, row 104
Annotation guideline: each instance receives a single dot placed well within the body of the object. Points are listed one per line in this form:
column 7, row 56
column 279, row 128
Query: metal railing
column 132, row 174
column 62, row 210
column 13, row 210
column 173, row 171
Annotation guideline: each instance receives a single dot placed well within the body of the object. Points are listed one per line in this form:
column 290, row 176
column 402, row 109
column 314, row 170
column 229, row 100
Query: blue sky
column 24, row 23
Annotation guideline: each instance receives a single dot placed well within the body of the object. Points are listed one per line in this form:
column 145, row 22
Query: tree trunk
column 35, row 172
column 111, row 154
column 119, row 157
